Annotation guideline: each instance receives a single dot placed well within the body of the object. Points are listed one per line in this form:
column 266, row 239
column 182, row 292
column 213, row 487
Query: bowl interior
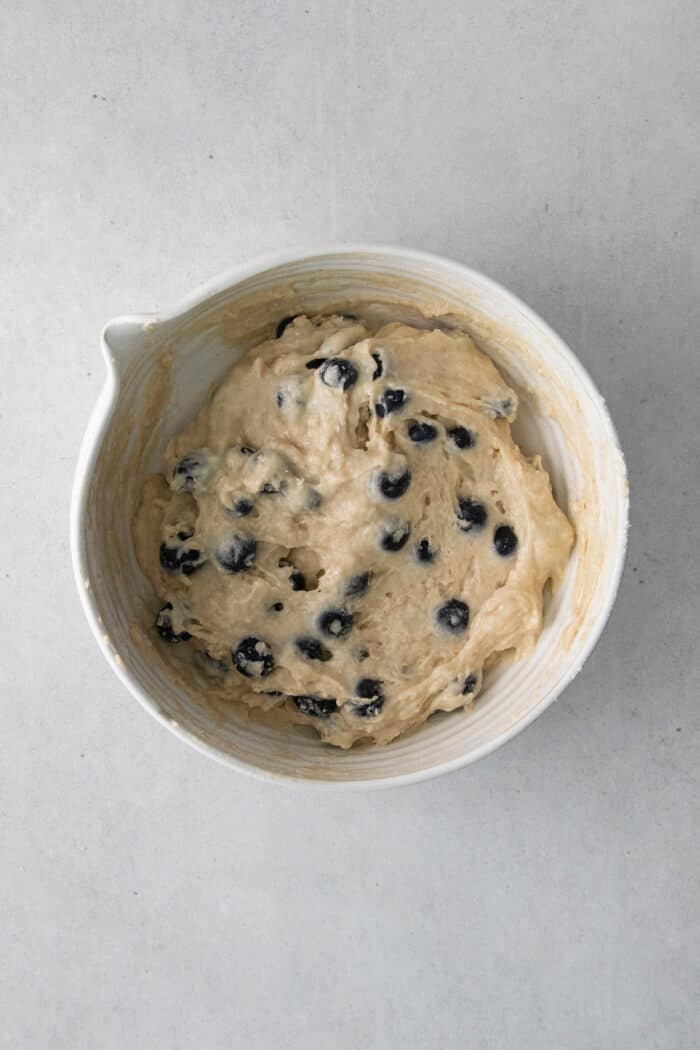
column 161, row 370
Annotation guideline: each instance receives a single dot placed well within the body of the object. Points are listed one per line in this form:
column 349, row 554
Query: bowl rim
column 98, row 424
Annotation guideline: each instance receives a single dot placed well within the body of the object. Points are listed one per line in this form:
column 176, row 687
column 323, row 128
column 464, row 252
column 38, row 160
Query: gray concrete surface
column 547, row 897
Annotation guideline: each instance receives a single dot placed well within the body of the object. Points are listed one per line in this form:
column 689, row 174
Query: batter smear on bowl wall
column 347, row 531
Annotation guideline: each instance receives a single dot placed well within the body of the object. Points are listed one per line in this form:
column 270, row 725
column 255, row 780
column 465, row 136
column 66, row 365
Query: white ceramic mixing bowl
column 562, row 416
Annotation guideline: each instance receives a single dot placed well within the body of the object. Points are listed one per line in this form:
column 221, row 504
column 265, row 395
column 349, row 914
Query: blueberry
column 394, row 539
column 270, row 489
column 421, row 432
column 236, row 554
column 164, row 626
column 462, row 437
column 243, row 506
column 393, row 484
column 316, row 362
column 181, row 559
column 504, row 540
column 284, row 324
column 338, row 372
column 357, row 585
column 312, row 649
column 247, row 450
column 185, row 534
column 253, row 658
column 379, row 370
column 453, row 615
column 191, row 472
column 277, row 606
column 424, row 552
column 391, row 401
column 471, row 515
column 335, row 623
column 369, row 689
column 315, row 706
column 298, row 581
column 469, row 684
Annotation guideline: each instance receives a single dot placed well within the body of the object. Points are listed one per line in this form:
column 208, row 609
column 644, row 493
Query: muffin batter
column 347, row 532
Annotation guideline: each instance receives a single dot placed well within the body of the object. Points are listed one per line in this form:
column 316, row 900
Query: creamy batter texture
column 347, row 532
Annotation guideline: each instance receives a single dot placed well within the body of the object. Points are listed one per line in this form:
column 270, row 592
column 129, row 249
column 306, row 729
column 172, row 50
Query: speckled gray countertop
column 544, row 898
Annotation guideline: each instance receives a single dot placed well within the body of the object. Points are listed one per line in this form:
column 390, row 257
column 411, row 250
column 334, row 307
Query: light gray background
column 547, row 897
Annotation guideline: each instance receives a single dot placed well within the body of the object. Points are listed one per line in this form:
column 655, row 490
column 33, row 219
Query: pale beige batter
column 347, row 530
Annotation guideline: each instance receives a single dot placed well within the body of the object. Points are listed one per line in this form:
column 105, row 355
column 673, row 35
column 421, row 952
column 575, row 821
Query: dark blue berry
column 391, row 401
column 471, row 515
column 277, row 606
column 284, row 324
column 247, row 450
column 335, row 623
column 316, row 362
column 424, row 552
column 379, row 370
column 369, row 689
column 185, row 534
column 357, row 585
column 253, row 658
column 315, row 706
column 393, row 484
column 164, row 626
column 243, row 507
column 338, row 372
column 190, row 472
column 462, row 437
column 236, row 554
column 421, row 432
column 469, row 684
column 312, row 649
column 453, row 615
column 394, row 539
column 504, row 540
column 270, row 489
column 298, row 581
column 181, row 559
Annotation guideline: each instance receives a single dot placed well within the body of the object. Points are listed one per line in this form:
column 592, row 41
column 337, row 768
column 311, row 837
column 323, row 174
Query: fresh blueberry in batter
column 236, row 554
column 358, row 585
column 284, row 324
column 190, row 472
column 338, row 372
column 393, row 539
column 371, row 690
column 277, row 606
column 453, row 615
column 242, row 507
column 312, row 649
column 391, row 401
column 316, row 362
column 424, row 552
column 335, row 623
column 393, row 484
column 504, row 540
column 462, row 437
column 469, row 684
column 298, row 581
column 164, row 626
column 421, row 432
column 471, row 515
column 185, row 534
column 253, row 658
column 379, row 370
column 315, row 706
column 185, row 560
